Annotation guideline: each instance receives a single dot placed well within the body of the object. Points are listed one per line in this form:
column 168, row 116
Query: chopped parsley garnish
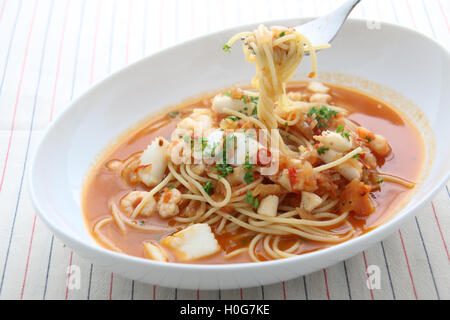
column 228, row 94
column 282, row 34
column 245, row 99
column 174, row 114
column 171, row 187
column 356, row 156
column 322, row 150
column 254, row 100
column 234, row 118
column 322, row 125
column 322, row 115
column 224, row 169
column 340, row 128
column 346, row 135
column 203, row 142
column 208, row 187
column 380, row 180
column 248, row 166
column 248, row 177
column 253, row 201
column 226, row 48
column 255, row 112
column 368, row 139
column 187, row 139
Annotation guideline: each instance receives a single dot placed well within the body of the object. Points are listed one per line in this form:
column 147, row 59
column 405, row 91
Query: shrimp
column 168, row 203
column 132, row 200
column 377, row 143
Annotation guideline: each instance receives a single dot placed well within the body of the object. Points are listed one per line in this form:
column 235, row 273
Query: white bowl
column 415, row 75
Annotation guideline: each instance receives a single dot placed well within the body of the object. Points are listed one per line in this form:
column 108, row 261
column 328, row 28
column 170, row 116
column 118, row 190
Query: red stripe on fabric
column 97, row 22
column 440, row 230
column 411, row 14
column 2, row 10
column 445, row 16
column 326, row 283
column 154, row 292
column 68, row 275
column 365, row 264
column 28, row 258
column 198, row 294
column 19, row 90
column 284, row 290
column 241, row 294
column 407, row 264
column 111, row 286
column 58, row 65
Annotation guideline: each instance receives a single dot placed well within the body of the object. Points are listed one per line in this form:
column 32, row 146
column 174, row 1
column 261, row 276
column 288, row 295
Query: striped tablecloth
column 53, row 50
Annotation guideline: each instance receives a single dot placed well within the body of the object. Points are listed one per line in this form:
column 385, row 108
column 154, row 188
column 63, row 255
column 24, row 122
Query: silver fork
column 324, row 29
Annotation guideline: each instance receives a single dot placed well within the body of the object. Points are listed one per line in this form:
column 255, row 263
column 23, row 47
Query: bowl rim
column 77, row 245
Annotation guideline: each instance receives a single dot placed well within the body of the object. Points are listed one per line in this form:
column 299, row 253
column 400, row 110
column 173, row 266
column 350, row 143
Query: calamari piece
column 220, row 102
column 310, row 201
column 269, row 206
column 153, row 163
column 194, row 242
column 155, row 252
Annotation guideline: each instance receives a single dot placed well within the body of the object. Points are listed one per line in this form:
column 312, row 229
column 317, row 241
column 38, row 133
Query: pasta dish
column 269, row 171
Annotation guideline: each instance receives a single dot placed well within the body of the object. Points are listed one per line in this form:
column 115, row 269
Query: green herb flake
column 224, row 169
column 282, row 34
column 234, row 118
column 346, row 135
column 340, row 128
column 368, row 139
column 247, row 165
column 226, row 48
column 322, row 115
column 356, row 156
column 208, row 187
column 174, row 114
column 322, row 150
column 228, row 94
column 248, row 177
column 253, row 201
